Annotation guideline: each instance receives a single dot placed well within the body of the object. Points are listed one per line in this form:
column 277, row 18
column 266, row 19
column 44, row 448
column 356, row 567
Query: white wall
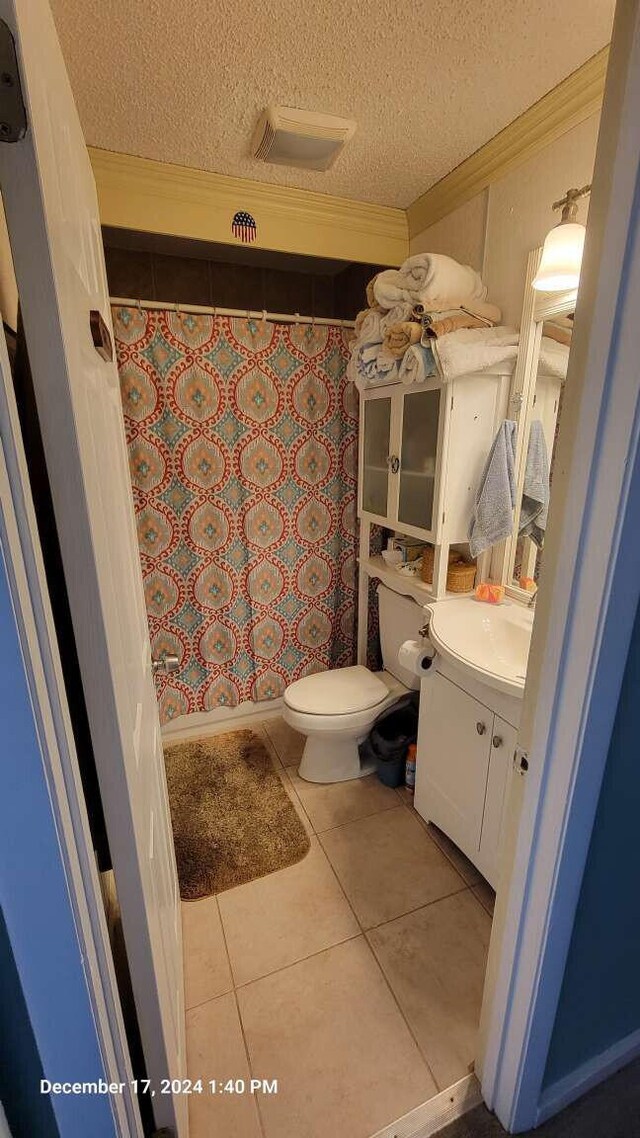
column 498, row 228
column 460, row 234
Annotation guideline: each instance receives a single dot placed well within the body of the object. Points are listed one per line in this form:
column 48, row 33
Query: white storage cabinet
column 464, row 763
column 422, row 452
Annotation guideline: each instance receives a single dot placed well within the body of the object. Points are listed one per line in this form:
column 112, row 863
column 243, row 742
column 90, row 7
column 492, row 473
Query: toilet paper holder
column 424, row 631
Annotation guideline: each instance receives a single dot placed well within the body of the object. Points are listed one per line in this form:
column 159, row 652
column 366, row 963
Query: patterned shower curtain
column 242, row 439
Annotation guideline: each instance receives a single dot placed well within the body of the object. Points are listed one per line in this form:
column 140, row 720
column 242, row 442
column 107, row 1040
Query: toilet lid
column 338, row 692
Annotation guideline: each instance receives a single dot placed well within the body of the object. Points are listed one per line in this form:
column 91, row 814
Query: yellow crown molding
column 571, row 102
column 158, row 197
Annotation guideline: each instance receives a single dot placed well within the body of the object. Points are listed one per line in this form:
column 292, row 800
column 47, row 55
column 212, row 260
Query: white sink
column 489, row 642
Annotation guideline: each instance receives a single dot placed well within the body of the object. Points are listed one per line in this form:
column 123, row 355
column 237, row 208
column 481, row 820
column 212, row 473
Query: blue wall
column 53, row 1030
column 600, row 998
column 20, row 1066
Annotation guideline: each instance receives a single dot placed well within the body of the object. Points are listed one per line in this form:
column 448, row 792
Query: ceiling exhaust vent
column 311, row 141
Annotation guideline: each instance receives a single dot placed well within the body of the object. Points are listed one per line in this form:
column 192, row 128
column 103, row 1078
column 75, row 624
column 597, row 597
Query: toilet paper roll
column 415, row 657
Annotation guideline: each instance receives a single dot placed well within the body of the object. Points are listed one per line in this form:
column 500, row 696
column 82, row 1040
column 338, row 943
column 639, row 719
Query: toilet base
column 327, row 759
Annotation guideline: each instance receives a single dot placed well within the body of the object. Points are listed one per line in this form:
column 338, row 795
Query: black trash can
column 390, row 737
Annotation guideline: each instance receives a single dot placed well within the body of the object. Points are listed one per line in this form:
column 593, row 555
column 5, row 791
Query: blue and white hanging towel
column 492, row 518
column 535, row 491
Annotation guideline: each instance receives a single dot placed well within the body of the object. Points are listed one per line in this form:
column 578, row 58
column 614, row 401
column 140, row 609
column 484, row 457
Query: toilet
column 337, row 709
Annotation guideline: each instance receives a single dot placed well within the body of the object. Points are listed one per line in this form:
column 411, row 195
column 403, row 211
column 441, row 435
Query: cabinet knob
column 497, row 740
column 394, row 463
column 481, row 727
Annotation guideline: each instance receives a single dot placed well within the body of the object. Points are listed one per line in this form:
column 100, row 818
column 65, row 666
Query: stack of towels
column 410, row 309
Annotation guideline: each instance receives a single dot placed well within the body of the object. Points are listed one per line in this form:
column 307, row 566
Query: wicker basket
column 428, row 558
column 461, row 577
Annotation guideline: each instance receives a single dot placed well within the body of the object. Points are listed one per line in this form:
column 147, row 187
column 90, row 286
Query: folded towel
column 535, row 490
column 388, row 289
column 370, row 366
column 473, row 350
column 553, row 359
column 400, row 336
column 492, row 519
column 557, row 332
column 367, row 326
column 371, row 300
column 449, row 324
column 396, row 315
column 417, row 364
column 434, row 278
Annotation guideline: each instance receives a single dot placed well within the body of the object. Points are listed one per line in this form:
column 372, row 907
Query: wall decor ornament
column 244, row 226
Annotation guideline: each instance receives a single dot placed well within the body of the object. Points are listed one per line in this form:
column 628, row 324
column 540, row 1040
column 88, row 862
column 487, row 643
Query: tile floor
column 354, row 978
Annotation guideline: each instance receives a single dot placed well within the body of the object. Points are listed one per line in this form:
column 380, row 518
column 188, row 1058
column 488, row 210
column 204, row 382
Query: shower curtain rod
column 249, row 314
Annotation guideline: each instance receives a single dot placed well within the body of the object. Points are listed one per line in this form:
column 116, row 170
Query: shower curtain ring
column 139, row 304
column 264, row 316
column 177, row 307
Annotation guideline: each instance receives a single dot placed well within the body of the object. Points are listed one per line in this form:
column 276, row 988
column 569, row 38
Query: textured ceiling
column 428, row 81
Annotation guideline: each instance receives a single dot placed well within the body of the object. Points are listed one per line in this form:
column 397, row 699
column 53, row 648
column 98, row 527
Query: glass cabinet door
column 420, row 417
column 375, row 473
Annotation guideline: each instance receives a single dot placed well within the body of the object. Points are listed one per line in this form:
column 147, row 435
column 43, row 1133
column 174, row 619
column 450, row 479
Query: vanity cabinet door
column 419, row 460
column 454, row 744
column 375, row 456
column 503, row 745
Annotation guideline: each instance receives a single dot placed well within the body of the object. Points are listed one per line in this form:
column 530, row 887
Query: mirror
column 536, row 406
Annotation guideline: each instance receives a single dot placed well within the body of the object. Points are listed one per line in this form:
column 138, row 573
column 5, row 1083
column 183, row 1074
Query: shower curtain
column 242, row 440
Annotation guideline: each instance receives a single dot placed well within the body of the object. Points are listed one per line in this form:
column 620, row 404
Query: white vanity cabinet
column 464, row 762
column 422, row 451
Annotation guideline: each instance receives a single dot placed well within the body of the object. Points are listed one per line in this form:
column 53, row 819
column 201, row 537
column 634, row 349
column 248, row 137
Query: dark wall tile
column 237, row 286
column 129, row 274
column 181, row 279
column 323, row 302
column 351, row 286
column 288, row 292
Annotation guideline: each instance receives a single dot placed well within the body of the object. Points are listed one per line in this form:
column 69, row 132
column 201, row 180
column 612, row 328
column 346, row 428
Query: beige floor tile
column 288, row 743
column 331, row 804
column 387, row 865
column 435, row 960
column 206, row 966
column 215, row 1050
column 486, row 895
column 449, row 848
column 285, row 916
column 330, row 1031
column 459, row 860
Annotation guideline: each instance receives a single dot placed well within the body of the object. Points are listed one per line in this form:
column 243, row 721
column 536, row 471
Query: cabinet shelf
column 409, row 586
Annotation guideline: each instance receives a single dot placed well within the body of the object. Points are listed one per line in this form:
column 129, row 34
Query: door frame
column 580, row 643
column 588, row 597
column 61, row 774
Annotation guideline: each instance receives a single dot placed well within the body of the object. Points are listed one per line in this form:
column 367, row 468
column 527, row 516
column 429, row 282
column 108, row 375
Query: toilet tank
column 401, row 619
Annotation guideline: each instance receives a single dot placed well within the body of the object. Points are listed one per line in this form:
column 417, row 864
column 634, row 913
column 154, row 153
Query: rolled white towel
column 389, row 289
column 434, row 278
column 367, row 326
column 396, row 315
column 417, row 364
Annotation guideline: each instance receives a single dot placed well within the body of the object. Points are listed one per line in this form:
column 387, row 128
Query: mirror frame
column 537, row 307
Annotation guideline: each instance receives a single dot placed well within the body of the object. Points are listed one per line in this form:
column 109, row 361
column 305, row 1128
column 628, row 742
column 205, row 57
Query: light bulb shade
column 561, row 258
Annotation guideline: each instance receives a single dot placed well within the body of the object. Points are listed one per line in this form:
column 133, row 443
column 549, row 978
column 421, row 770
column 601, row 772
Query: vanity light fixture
column 562, row 252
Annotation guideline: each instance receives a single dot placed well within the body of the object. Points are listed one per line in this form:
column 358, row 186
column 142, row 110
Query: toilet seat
column 343, row 691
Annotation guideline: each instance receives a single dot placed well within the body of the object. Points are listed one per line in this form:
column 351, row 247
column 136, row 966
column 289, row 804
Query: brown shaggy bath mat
column 232, row 820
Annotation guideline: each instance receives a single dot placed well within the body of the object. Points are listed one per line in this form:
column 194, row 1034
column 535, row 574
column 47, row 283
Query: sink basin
column 489, row 642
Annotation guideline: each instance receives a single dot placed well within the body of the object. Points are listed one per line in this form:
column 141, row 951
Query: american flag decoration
column 244, row 226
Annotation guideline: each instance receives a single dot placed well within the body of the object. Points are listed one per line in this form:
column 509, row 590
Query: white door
column 504, row 739
column 454, row 741
column 54, row 227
